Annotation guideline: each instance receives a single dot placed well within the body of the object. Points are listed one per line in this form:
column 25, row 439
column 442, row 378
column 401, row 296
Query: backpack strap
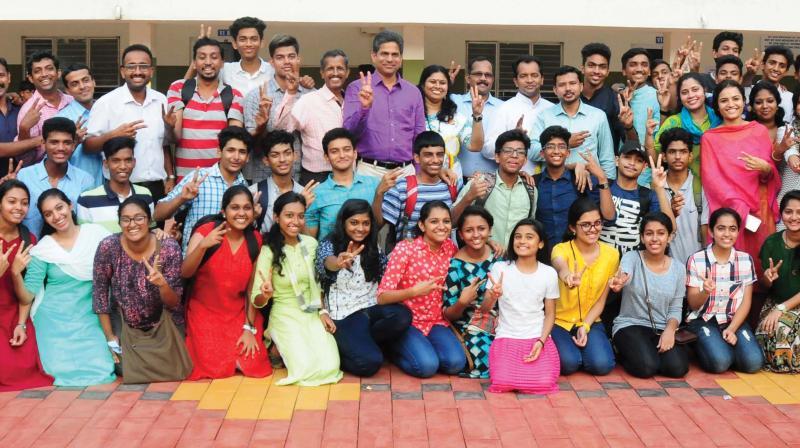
column 491, row 180
column 644, row 202
column 25, row 235
column 533, row 197
column 263, row 201
column 411, row 196
column 453, row 193
column 187, row 91
column 253, row 248
column 227, row 98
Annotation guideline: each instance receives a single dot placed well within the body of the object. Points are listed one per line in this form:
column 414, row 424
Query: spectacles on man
column 522, row 152
column 137, row 67
column 487, row 75
column 127, row 220
column 553, row 147
column 586, row 226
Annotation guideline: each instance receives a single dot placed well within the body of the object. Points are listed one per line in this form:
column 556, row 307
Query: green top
column 295, row 261
column 674, row 121
column 788, row 282
column 507, row 205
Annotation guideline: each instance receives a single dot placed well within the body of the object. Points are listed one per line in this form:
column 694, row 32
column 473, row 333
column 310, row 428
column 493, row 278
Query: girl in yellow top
column 585, row 266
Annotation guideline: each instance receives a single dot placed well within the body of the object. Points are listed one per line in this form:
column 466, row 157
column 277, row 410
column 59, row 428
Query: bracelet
column 540, row 340
column 249, row 328
column 776, row 159
column 24, row 326
column 586, row 327
column 324, row 311
column 172, row 176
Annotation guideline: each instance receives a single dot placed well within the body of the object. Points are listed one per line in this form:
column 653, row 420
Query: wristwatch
column 477, row 118
column 249, row 328
column 781, row 307
column 604, row 186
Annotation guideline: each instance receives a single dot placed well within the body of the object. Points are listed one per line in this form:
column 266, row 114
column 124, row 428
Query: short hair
column 565, row 70
column 37, row 56
column 722, row 86
column 283, row 40
column 384, row 37
column 512, row 135
column 728, row 59
column 117, row 144
column 247, row 22
column 136, row 47
column 526, row 59
column 276, row 138
column 206, row 42
column 334, row 54
column 595, row 48
column 74, row 67
column 675, row 135
column 139, row 202
column 4, row 63
column 780, row 50
column 552, row 132
column 335, row 134
column 235, row 133
column 656, row 62
column 727, row 35
column 477, row 59
column 426, row 139
column 59, row 124
column 26, row 85
column 632, row 53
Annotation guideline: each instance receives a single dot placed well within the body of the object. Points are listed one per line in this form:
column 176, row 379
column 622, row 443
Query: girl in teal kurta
column 58, row 280
column 300, row 328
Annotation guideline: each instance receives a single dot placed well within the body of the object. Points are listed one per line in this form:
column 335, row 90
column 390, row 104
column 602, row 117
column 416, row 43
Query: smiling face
column 134, row 223
column 137, row 70
column 59, row 147
column 430, row 160
column 14, row 206
column 568, row 88
column 280, row 159
column 630, row 165
column 528, row 79
column 637, row 69
column 437, row 226
column 120, row 165
column 587, row 229
column 80, row 85
column 388, row 59
column 791, row 215
column 481, row 75
column 729, row 71
column 692, row 95
column 512, row 157
column 725, row 232
column 239, row 212
column 208, row 62
column 286, row 61
column 660, row 72
column 247, row 43
column 595, row 70
column 555, row 152
column 527, row 242
column 357, row 227
column 57, row 214
column 655, row 238
column 475, row 232
column 233, row 156
column 335, row 73
column 291, row 219
column 435, row 87
column 44, row 75
column 775, row 67
column 341, row 154
column 765, row 106
column 730, row 104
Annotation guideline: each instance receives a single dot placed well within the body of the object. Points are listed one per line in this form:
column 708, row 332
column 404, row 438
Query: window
column 503, row 54
column 100, row 54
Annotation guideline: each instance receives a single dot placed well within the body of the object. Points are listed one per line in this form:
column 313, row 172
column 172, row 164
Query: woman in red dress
column 19, row 355
column 224, row 333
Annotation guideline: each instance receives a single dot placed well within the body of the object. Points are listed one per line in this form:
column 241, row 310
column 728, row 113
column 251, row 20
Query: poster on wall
column 793, row 42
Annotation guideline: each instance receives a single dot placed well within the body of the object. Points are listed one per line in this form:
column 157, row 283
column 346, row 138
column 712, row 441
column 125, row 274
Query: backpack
column 410, row 204
column 530, row 189
column 263, row 201
column 189, row 86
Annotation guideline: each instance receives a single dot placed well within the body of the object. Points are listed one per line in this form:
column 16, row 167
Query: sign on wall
column 793, row 42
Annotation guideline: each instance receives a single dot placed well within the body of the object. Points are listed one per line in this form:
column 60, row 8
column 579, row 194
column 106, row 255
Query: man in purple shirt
column 385, row 112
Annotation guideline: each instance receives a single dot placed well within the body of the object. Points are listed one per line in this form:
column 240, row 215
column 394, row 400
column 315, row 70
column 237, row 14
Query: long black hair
column 685, row 77
column 576, row 210
column 448, row 110
column 275, row 239
column 543, row 254
column 425, row 212
column 227, row 197
column 370, row 255
column 47, row 229
column 659, row 217
column 793, row 195
column 769, row 87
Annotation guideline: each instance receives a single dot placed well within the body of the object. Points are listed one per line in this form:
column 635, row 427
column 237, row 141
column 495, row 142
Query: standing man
column 42, row 70
column 250, row 71
column 79, row 83
column 480, row 74
column 200, row 108
column 521, row 110
column 8, row 124
column 384, row 112
column 135, row 110
column 640, row 97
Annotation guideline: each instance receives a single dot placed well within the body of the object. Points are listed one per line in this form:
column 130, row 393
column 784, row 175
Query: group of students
column 486, row 273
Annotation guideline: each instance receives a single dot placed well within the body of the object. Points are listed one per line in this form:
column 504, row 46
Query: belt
column 387, row 165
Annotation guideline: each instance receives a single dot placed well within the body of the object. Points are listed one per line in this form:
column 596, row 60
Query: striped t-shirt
column 100, row 205
column 394, row 202
column 202, row 121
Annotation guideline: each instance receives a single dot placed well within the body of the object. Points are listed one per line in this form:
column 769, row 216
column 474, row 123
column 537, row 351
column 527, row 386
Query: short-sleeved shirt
column 574, row 303
column 92, row 163
column 412, row 262
column 272, row 194
column 47, row 112
column 522, row 302
column 507, row 206
column 101, row 205
column 394, row 202
column 687, row 238
column 644, row 98
column 623, row 232
column 788, row 283
column 313, row 115
column 555, row 198
column 235, row 76
column 8, row 131
column 731, row 278
column 665, row 291
column 203, row 118
column 476, row 161
column 330, row 196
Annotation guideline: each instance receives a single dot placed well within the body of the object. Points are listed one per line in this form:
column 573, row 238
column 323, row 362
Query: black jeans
column 360, row 335
column 638, row 353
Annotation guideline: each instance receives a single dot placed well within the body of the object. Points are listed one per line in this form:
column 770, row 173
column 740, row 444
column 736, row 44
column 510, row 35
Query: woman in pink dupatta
column 738, row 170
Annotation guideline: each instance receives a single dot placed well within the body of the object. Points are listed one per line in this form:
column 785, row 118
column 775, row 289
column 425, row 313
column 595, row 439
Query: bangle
column 172, row 176
column 324, row 311
column 776, row 159
column 24, row 327
column 586, row 327
column 249, row 328
column 540, row 340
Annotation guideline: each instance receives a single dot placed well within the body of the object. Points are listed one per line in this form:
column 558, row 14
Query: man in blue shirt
column 8, row 125
column 480, row 73
column 54, row 171
column 80, row 84
column 641, row 97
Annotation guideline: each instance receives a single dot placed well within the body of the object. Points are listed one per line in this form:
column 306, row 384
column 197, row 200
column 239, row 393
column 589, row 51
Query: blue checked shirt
column 207, row 202
column 329, row 199
column 91, row 163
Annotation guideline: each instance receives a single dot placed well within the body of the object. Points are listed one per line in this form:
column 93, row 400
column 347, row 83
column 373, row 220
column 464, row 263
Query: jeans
column 422, row 356
column 637, row 348
column 716, row 356
column 596, row 357
column 360, row 335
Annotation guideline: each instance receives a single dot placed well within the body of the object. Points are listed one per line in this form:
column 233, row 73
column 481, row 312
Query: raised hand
column 573, row 278
column 521, row 124
column 789, row 139
column 33, row 115
column 365, row 94
column 308, row 192
column 495, row 292
column 470, row 293
column 479, row 188
column 4, row 257
column 154, row 274
column 478, row 102
column 307, row 82
column 12, row 172
column 215, row 236
column 264, row 107
column 577, row 138
column 659, row 173
column 345, row 259
column 752, row 65
column 582, row 177
column 129, row 129
column 794, row 163
column 170, row 117
column 625, row 115
column 652, row 123
column 80, row 130
column 389, row 180
column 205, row 32
column 619, row 280
column 266, row 285
column 663, row 93
column 753, row 163
column 173, row 229
column 192, row 188
column 292, row 82
column 693, row 59
column 426, row 287
column 257, row 209
column 678, row 201
column 771, row 273
column 453, row 72
column 709, row 285
column 21, row 259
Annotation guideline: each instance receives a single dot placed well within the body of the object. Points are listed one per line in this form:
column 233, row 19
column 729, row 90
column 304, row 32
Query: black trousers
column 157, row 191
column 638, row 353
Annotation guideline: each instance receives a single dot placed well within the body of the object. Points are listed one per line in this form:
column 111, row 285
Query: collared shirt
column 507, row 206
column 475, row 161
column 203, row 118
column 8, row 130
column 101, row 204
column 272, row 194
column 555, row 198
column 235, row 76
column 588, row 118
column 208, row 200
column 91, row 163
column 730, row 278
column 118, row 107
column 313, row 115
column 506, row 119
column 330, row 196
column 394, row 202
column 606, row 100
column 47, row 112
column 35, row 177
column 385, row 131
column 687, row 238
column 279, row 118
column 644, row 98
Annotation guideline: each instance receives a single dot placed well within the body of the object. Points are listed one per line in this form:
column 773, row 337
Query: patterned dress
column 476, row 341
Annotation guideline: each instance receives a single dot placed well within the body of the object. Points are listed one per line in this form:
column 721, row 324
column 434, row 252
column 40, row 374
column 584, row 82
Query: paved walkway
column 393, row 409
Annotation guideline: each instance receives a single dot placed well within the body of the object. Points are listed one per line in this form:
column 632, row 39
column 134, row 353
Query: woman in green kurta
column 58, row 281
column 299, row 326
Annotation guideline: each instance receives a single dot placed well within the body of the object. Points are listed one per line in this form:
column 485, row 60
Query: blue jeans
column 422, row 356
column 596, row 358
column 360, row 335
column 716, row 356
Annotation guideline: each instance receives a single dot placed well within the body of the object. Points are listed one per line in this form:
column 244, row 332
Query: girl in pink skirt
column 523, row 357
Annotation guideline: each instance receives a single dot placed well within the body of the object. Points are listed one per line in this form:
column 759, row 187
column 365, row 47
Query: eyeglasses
column 135, row 67
column 522, row 152
column 586, row 226
column 138, row 219
column 553, row 147
column 482, row 74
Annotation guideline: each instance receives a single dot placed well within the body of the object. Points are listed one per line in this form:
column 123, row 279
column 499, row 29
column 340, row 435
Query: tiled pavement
column 393, row 409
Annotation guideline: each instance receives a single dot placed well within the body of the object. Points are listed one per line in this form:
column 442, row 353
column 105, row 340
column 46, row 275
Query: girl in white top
column 523, row 357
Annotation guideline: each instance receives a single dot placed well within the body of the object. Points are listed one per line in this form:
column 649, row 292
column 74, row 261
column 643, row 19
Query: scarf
column 688, row 125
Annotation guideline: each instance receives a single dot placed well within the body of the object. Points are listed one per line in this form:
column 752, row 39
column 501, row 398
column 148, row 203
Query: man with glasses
column 481, row 74
column 134, row 110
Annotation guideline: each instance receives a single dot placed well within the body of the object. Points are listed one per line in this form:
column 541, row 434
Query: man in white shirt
column 135, row 110
column 521, row 110
column 250, row 71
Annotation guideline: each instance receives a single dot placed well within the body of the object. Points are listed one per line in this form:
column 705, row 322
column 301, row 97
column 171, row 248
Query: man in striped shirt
column 198, row 112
